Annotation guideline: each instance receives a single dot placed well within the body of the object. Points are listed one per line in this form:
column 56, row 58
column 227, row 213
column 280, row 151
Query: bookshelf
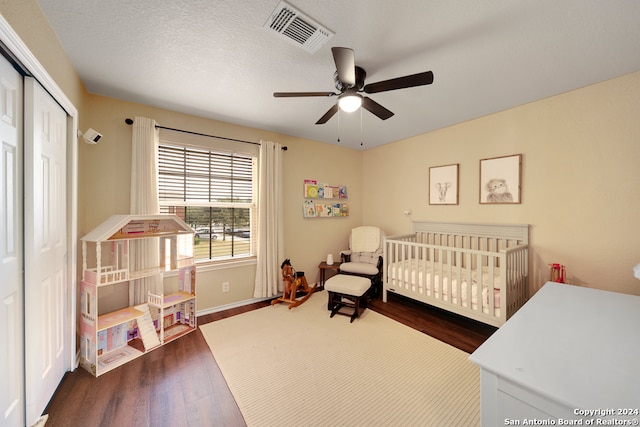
column 324, row 200
column 109, row 339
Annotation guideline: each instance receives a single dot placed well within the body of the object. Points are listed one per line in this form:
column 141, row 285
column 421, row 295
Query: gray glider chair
column 364, row 256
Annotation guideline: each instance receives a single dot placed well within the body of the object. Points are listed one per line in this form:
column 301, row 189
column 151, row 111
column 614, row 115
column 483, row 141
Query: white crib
column 475, row 270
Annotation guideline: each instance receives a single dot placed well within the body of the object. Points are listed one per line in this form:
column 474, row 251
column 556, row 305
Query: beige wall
column 104, row 172
column 581, row 157
column 580, row 175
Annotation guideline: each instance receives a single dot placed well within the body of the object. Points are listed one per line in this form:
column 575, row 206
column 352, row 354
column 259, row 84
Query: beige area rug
column 299, row 367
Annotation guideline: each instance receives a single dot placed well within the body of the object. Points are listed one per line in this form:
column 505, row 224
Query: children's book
column 328, row 209
column 310, row 190
column 308, row 209
column 343, row 192
column 324, row 210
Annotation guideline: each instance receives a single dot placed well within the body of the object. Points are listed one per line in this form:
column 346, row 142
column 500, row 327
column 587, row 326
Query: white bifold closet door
column 45, row 247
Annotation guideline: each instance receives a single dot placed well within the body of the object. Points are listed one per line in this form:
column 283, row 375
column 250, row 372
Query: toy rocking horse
column 294, row 282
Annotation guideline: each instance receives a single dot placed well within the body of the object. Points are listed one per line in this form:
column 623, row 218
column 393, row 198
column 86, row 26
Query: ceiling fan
column 349, row 80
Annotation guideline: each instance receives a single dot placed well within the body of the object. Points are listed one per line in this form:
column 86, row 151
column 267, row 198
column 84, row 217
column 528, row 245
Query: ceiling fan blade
column 299, row 94
column 345, row 64
column 377, row 109
column 412, row 80
column 324, row 119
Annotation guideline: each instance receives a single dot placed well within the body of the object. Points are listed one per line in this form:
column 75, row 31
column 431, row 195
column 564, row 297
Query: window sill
column 204, row 266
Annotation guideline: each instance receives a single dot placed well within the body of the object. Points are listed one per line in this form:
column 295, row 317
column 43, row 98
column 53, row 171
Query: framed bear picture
column 500, row 180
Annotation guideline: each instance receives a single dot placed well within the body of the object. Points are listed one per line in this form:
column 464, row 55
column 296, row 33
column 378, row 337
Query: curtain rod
column 130, row 122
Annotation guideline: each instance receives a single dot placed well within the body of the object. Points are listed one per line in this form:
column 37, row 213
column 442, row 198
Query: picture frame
column 443, row 184
column 500, row 180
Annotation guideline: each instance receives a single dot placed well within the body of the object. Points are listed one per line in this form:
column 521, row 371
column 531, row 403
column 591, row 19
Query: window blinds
column 195, row 176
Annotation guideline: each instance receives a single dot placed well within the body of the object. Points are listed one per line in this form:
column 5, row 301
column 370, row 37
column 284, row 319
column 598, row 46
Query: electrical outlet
column 225, row 286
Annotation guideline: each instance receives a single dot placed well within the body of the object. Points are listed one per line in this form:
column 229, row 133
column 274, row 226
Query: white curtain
column 144, row 200
column 270, row 240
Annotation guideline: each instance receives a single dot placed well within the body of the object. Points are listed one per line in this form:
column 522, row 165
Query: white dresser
column 569, row 356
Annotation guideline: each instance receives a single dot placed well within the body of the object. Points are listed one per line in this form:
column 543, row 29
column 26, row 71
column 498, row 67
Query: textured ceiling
column 214, row 58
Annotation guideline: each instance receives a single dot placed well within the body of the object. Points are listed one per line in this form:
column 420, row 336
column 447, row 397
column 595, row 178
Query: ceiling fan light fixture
column 349, row 102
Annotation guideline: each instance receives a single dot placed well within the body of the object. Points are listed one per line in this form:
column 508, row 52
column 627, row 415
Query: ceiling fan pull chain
column 339, row 114
column 361, row 127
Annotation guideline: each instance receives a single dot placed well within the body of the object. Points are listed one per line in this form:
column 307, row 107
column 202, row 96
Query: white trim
column 22, row 53
column 212, row 265
column 232, row 305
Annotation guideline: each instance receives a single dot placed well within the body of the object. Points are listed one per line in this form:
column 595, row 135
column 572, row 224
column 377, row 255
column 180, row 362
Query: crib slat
column 392, row 267
column 420, row 266
column 490, row 286
column 439, row 273
column 479, row 264
column 401, row 278
column 459, row 274
column 430, row 261
column 413, row 265
column 469, row 278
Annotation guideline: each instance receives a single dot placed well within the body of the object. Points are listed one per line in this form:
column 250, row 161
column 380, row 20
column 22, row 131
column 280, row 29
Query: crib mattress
column 416, row 276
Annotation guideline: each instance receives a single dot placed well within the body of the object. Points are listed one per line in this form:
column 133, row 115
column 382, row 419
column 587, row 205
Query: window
column 214, row 191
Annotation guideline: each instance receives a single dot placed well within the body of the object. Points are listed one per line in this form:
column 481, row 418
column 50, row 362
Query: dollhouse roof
column 137, row 226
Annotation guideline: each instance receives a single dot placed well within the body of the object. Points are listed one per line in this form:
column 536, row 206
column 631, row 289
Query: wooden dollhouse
column 116, row 252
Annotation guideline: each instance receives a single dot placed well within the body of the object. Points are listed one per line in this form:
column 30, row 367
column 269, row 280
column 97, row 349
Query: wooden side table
column 323, row 266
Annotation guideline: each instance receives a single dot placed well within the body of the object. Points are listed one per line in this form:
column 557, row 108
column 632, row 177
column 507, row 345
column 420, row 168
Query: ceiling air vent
column 298, row 28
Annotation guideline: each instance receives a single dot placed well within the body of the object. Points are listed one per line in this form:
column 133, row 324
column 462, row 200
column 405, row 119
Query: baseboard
column 231, row 305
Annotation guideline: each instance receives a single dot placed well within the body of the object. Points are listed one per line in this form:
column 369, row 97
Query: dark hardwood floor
column 180, row 383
